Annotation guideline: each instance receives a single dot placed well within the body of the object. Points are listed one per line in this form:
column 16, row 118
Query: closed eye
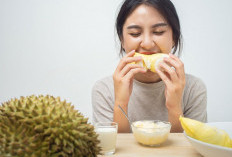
column 158, row 32
column 135, row 34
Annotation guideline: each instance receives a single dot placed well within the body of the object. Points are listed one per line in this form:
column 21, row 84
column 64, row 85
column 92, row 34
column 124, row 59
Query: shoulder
column 193, row 82
column 105, row 83
column 194, row 87
column 195, row 99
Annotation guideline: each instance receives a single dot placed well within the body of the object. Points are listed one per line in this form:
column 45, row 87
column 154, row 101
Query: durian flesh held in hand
column 45, row 126
column 205, row 133
column 151, row 62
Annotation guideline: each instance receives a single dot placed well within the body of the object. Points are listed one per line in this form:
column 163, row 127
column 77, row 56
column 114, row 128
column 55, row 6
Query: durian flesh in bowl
column 151, row 132
column 209, row 139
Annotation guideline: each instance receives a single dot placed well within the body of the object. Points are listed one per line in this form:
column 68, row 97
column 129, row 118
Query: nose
column 147, row 42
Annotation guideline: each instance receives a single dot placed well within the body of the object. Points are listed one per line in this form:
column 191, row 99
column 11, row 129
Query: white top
column 147, row 101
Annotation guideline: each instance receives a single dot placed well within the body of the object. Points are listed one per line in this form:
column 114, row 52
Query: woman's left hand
column 173, row 75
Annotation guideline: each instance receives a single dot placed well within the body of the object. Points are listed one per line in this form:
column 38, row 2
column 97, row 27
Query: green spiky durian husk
column 37, row 126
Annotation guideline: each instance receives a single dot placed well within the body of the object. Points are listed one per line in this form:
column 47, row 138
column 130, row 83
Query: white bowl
column 211, row 150
column 151, row 132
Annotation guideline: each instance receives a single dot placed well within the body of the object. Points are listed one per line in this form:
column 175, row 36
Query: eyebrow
column 153, row 26
column 134, row 26
column 159, row 25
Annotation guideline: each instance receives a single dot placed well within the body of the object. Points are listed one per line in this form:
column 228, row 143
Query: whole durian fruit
column 45, row 126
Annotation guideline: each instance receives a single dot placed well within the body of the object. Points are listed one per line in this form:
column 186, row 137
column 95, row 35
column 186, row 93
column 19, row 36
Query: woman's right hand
column 123, row 78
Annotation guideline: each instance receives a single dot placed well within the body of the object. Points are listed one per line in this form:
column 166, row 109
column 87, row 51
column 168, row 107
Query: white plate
column 211, row 150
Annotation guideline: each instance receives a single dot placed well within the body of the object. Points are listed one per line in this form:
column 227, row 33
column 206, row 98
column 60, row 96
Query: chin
column 150, row 73
column 148, row 77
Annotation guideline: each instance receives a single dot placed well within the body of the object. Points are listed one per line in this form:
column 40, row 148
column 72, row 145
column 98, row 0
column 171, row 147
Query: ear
column 121, row 41
column 122, row 44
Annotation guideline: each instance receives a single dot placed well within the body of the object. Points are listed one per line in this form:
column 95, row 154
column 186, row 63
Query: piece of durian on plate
column 205, row 133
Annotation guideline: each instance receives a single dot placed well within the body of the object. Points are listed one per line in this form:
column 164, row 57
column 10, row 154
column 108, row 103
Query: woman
column 149, row 27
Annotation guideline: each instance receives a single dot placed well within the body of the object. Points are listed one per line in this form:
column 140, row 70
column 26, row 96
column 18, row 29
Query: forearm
column 119, row 117
column 173, row 118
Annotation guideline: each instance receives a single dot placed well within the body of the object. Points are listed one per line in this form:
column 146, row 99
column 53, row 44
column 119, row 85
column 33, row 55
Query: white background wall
column 61, row 47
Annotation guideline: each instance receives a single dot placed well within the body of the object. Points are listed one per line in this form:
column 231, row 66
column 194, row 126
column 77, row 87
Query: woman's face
column 146, row 31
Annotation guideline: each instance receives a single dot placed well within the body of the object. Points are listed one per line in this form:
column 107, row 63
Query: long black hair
column 165, row 8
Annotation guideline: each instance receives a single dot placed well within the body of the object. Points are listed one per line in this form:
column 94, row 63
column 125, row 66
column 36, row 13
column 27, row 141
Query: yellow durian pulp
column 205, row 133
column 150, row 62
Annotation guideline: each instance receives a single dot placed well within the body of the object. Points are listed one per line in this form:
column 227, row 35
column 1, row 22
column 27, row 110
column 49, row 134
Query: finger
column 173, row 64
column 127, row 59
column 177, row 64
column 178, row 61
column 130, row 75
column 171, row 72
column 173, row 56
column 130, row 54
column 163, row 77
column 128, row 67
column 124, row 61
